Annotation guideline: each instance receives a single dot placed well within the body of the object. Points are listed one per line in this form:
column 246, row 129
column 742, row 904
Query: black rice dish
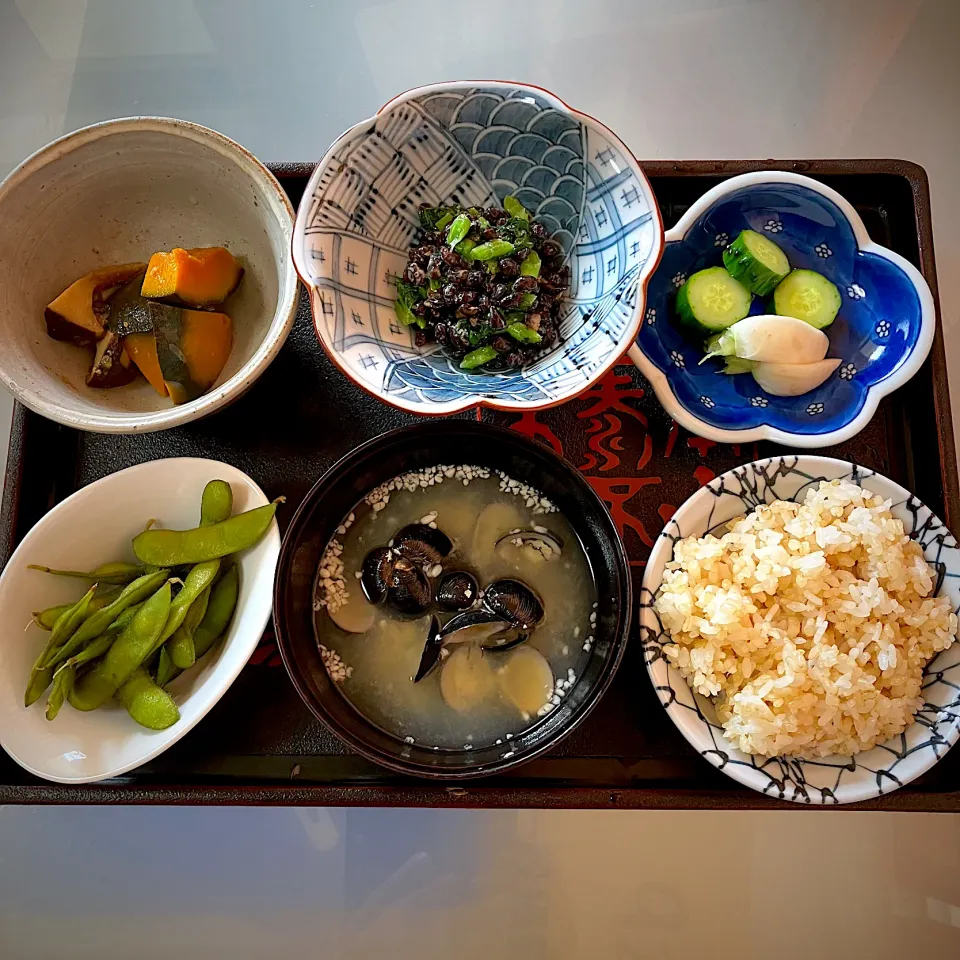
column 488, row 284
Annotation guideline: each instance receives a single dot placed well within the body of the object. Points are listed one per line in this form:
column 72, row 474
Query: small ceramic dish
column 416, row 447
column 830, row 780
column 882, row 334
column 474, row 143
column 116, row 192
column 95, row 525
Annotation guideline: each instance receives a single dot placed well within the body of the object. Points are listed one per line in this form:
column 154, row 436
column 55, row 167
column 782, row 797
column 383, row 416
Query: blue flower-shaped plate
column 882, row 334
column 830, row 780
column 475, row 143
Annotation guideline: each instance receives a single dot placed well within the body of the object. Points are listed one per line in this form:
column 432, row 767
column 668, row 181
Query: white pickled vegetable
column 793, row 379
column 770, row 339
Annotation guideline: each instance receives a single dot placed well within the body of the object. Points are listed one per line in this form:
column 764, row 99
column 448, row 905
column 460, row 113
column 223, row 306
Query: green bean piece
column 140, row 589
column 216, row 504
column 180, row 645
column 147, row 703
column 492, row 250
column 62, row 685
column 62, row 633
column 477, row 358
column 134, row 644
column 117, row 573
column 220, row 608
column 174, row 547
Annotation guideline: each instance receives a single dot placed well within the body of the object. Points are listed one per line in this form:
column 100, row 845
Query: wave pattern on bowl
column 474, row 145
column 831, row 780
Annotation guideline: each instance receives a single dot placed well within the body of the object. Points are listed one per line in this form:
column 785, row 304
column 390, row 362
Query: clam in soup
column 453, row 607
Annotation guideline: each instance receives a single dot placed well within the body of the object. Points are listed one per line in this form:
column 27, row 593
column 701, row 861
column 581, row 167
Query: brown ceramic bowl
column 410, row 448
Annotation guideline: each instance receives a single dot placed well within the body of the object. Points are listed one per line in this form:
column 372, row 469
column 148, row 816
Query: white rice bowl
column 805, row 649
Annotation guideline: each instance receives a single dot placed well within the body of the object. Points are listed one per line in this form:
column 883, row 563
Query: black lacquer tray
column 260, row 745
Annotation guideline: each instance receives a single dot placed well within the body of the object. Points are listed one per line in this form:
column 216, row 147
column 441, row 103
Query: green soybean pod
column 93, row 626
column 134, row 644
column 62, row 633
column 62, row 685
column 219, row 613
column 220, row 608
column 176, row 547
column 147, row 703
column 102, row 595
column 180, row 645
column 117, row 573
column 216, row 503
column 196, row 581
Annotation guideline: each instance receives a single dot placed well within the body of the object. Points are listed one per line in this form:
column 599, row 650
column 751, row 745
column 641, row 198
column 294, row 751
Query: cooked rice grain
column 810, row 624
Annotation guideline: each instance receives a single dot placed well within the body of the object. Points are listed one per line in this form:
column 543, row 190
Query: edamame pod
column 135, row 643
column 105, row 573
column 147, row 703
column 222, row 603
column 197, row 580
column 100, row 645
column 180, row 645
column 62, row 685
column 140, row 589
column 174, row 547
column 216, row 503
column 62, row 633
column 102, row 595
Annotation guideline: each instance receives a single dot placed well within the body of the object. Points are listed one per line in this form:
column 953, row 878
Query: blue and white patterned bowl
column 883, row 332
column 474, row 142
column 831, row 780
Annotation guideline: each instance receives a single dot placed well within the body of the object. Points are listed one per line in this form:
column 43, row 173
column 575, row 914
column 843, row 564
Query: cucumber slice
column 711, row 300
column 758, row 263
column 808, row 296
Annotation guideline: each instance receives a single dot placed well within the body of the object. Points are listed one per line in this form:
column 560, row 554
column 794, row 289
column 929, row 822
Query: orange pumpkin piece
column 202, row 277
column 78, row 314
column 192, row 348
column 142, row 349
column 205, row 339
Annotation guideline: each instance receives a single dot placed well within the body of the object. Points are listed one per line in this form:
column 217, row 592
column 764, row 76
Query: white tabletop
column 676, row 79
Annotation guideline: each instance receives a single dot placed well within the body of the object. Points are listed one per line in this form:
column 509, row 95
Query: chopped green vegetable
column 527, row 301
column 711, row 300
column 808, row 296
column 492, row 249
column 480, row 334
column 465, row 248
column 477, row 358
column 459, row 228
column 757, row 262
column 491, row 267
column 517, row 231
column 523, row 333
column 407, row 298
column 431, row 216
column 515, row 208
column 531, row 265
column 445, row 219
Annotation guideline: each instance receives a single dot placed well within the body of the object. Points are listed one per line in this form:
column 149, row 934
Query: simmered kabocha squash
column 192, row 348
column 79, row 313
column 201, row 277
column 142, row 349
column 112, row 366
